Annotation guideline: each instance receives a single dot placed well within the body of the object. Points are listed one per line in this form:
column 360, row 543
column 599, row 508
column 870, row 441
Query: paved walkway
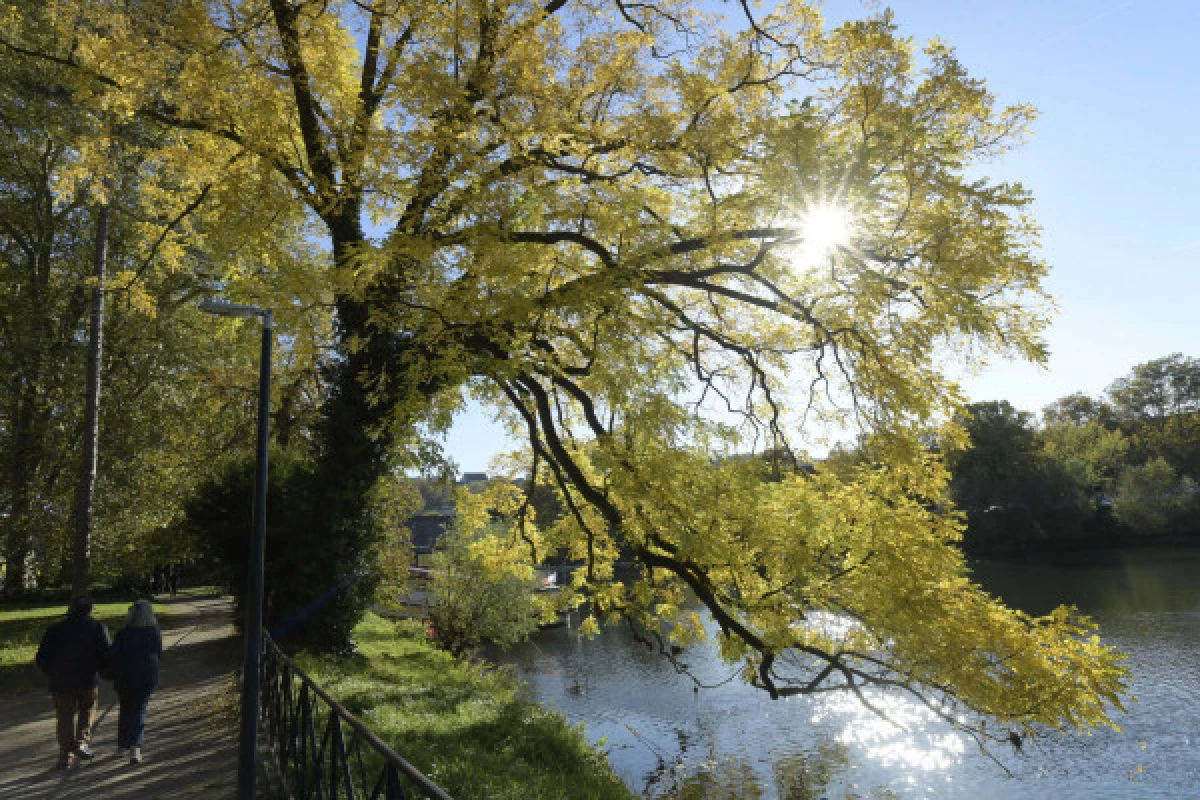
column 191, row 739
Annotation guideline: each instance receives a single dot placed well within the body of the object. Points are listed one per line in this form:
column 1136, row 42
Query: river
column 668, row 741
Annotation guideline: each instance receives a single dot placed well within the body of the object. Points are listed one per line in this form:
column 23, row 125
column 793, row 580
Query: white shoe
column 135, row 757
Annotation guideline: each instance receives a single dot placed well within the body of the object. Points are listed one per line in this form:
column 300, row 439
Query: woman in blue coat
column 134, row 663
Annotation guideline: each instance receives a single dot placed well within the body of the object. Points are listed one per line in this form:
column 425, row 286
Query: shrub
column 478, row 594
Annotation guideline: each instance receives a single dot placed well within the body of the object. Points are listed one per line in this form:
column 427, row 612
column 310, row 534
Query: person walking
column 72, row 653
column 134, row 659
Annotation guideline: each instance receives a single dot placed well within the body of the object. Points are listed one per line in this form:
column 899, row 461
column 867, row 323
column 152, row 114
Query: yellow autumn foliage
column 592, row 216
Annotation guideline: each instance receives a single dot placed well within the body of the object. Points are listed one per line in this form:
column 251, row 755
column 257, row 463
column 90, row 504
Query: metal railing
column 317, row 756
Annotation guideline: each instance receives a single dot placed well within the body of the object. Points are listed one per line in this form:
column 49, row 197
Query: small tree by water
column 480, row 596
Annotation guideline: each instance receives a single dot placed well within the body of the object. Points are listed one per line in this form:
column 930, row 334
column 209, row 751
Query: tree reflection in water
column 800, row 776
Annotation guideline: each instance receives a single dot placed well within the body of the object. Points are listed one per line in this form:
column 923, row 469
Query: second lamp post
column 251, row 667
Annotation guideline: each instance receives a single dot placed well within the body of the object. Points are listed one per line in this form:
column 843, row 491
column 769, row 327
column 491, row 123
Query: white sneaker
column 135, row 757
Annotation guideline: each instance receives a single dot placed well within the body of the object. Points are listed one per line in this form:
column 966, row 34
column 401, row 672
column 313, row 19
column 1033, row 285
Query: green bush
column 316, row 585
column 477, row 600
column 1153, row 498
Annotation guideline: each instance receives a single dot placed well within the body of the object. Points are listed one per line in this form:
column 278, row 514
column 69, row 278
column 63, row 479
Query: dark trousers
column 75, row 712
column 131, row 719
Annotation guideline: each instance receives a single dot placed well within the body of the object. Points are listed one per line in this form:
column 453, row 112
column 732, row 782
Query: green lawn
column 466, row 727
column 21, row 627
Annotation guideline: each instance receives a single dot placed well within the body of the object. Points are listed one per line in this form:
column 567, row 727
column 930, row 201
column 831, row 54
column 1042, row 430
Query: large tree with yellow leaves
column 615, row 221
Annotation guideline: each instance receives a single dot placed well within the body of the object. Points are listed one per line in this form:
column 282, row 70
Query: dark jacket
column 134, row 658
column 72, row 652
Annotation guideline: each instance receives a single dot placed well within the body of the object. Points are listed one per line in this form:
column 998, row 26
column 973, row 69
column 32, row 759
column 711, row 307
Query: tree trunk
column 353, row 442
column 17, row 538
column 332, row 547
column 26, row 456
column 84, row 490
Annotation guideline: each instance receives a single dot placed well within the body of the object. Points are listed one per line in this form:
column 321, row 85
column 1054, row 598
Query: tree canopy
column 174, row 396
column 653, row 235
column 1016, row 494
column 1096, row 471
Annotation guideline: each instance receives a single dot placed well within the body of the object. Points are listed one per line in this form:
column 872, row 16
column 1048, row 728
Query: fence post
column 293, row 718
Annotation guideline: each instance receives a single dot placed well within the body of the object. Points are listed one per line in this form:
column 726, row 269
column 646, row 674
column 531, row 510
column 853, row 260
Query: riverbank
column 1083, row 550
column 467, row 726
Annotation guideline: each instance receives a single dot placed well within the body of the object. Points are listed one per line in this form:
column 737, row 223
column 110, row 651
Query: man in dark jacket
column 72, row 654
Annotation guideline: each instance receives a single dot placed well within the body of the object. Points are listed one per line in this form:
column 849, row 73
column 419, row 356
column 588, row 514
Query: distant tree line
column 1090, row 471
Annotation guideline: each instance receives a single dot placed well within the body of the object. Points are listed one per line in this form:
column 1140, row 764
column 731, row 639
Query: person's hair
column 141, row 615
column 81, row 606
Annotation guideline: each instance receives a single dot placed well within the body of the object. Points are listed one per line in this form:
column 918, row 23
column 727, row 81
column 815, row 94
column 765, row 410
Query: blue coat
column 134, row 660
column 72, row 652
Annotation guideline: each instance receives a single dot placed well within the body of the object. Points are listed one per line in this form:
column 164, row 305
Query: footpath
column 190, row 748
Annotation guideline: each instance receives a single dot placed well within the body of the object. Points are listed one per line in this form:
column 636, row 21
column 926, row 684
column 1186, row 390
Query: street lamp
column 251, row 674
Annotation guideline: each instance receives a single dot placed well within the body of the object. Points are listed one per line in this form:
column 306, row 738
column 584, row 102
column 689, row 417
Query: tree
column 1015, row 495
column 1090, row 451
column 436, row 492
column 1158, row 389
column 483, row 581
column 1158, row 405
column 610, row 219
column 1079, row 409
column 56, row 162
column 479, row 597
column 217, row 515
column 1153, row 498
column 45, row 240
column 83, row 513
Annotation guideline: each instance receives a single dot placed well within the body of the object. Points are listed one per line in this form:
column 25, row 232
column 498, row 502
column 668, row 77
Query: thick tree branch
column 316, row 149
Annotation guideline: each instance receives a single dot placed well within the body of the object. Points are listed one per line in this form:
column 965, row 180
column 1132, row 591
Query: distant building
column 429, row 525
column 474, row 481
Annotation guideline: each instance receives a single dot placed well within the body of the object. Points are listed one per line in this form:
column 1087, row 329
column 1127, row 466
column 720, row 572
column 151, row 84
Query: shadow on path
column 191, row 741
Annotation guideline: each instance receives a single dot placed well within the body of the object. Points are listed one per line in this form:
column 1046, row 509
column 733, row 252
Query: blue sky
column 1114, row 164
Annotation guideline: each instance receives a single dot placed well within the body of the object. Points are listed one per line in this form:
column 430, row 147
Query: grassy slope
column 469, row 730
column 21, row 628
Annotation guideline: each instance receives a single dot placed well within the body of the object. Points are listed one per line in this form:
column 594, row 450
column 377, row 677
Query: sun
column 823, row 229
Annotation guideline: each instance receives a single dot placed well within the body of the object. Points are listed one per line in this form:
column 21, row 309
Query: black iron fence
column 323, row 751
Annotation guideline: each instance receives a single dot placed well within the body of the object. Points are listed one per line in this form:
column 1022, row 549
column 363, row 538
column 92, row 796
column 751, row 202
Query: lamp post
column 251, row 673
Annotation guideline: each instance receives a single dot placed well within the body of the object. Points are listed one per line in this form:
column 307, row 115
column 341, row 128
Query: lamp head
column 224, row 309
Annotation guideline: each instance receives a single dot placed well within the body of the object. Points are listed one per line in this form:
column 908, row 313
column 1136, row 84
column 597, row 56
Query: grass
column 21, row 628
column 467, row 727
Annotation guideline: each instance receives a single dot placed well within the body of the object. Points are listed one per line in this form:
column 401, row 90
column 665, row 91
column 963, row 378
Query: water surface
column 667, row 740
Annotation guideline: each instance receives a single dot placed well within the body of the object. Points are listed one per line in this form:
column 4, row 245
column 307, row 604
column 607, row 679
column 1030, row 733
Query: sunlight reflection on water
column 669, row 742
column 908, row 738
column 900, row 735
